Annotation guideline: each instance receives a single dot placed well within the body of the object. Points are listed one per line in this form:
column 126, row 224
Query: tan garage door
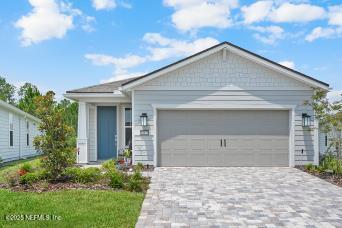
column 223, row 138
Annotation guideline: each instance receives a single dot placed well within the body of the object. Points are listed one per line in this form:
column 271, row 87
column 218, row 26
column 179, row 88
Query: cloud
column 256, row 12
column 191, row 15
column 334, row 95
column 120, row 64
column 44, row 22
column 335, row 15
column 288, row 12
column 320, row 32
column 288, row 64
column 164, row 48
column 118, row 77
column 269, row 34
column 285, row 12
column 104, row 4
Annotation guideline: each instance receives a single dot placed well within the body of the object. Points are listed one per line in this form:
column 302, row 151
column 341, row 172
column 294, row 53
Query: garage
column 223, row 138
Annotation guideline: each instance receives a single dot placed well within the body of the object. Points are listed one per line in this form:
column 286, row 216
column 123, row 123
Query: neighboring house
column 224, row 106
column 17, row 131
column 325, row 142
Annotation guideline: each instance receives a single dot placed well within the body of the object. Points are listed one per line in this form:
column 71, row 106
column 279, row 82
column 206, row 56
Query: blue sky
column 67, row 44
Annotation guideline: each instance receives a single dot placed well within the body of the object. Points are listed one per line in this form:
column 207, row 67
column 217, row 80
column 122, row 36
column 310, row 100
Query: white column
column 82, row 133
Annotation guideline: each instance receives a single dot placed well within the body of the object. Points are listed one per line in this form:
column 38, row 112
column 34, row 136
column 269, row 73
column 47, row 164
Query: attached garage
column 223, row 138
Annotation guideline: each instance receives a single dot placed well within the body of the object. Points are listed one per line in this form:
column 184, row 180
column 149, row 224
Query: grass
column 15, row 165
column 76, row 208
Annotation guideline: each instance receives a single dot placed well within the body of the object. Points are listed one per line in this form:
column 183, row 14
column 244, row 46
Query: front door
column 106, row 132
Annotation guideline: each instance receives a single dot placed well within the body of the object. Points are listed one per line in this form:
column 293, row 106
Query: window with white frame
column 128, row 128
column 11, row 130
column 27, row 133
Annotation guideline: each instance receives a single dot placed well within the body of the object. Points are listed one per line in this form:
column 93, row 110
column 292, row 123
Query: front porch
column 104, row 131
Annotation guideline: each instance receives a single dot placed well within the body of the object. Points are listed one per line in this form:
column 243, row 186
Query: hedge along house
column 17, row 131
column 224, row 106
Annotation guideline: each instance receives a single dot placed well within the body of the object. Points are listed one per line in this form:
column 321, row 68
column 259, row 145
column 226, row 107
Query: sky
column 61, row 45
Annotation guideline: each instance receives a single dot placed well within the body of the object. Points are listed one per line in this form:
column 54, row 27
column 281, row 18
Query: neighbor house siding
column 19, row 149
column 217, row 81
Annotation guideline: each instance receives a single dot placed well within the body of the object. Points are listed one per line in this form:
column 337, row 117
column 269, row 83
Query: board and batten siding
column 20, row 148
column 218, row 81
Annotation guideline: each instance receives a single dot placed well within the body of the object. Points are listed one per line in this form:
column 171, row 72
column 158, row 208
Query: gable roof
column 108, row 87
column 18, row 111
column 132, row 82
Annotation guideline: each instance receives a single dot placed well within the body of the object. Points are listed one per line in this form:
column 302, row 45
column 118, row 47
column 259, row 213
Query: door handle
column 225, row 143
column 221, row 142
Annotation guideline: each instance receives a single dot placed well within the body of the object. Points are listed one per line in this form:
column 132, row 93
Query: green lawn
column 76, row 208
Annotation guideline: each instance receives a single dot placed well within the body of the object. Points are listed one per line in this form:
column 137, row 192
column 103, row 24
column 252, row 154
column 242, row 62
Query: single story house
column 224, row 106
column 17, row 131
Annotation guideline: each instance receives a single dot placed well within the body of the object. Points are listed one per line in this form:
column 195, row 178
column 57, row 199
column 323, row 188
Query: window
column 326, row 140
column 128, row 128
column 11, row 130
column 27, row 133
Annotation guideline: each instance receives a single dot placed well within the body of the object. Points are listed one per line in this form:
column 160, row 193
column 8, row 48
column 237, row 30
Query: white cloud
column 120, row 64
column 191, row 15
column 334, row 95
column 44, row 22
column 281, row 12
column 104, row 4
column 287, row 63
column 122, row 77
column 257, row 11
column 320, row 32
column 87, row 24
column 335, row 15
column 269, row 34
column 163, row 48
column 288, row 12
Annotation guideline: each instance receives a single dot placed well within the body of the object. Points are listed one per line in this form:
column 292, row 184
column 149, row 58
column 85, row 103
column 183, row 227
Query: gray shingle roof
column 102, row 88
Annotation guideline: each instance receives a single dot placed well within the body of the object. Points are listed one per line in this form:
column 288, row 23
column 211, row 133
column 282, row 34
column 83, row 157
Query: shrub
column 12, row 178
column 108, row 165
column 139, row 167
column 27, row 167
column 29, row 178
column 134, row 185
column 309, row 167
column 116, row 180
column 330, row 163
column 79, row 175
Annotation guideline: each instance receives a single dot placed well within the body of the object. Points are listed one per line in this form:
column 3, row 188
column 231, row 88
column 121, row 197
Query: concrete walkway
column 240, row 197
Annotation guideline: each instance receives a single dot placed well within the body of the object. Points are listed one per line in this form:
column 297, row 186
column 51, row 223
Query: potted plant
column 128, row 156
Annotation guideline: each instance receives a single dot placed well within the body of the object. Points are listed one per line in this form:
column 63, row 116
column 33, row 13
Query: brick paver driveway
column 228, row 197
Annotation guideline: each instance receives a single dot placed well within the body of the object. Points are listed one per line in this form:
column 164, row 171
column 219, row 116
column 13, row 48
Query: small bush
column 139, row 167
column 108, row 165
column 134, row 185
column 27, row 167
column 87, row 175
column 12, row 179
column 29, row 178
column 332, row 164
column 116, row 180
column 309, row 167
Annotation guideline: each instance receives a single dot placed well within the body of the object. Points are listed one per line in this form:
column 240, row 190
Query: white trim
column 232, row 49
column 124, row 124
column 117, row 130
column 291, row 109
column 95, row 129
column 316, row 139
column 133, row 128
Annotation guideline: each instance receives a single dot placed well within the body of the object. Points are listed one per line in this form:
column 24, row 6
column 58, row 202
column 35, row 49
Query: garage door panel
column 253, row 138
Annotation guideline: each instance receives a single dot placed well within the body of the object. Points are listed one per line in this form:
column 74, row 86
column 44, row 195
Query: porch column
column 82, row 133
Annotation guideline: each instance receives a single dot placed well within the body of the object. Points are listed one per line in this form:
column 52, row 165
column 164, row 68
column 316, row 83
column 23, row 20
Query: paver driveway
column 228, row 197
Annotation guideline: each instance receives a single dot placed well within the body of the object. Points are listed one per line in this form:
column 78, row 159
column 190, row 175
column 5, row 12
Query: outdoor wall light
column 143, row 119
column 305, row 120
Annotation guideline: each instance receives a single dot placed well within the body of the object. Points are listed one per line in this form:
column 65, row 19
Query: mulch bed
column 331, row 178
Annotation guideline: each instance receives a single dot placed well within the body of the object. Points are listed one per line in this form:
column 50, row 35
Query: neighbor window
column 27, row 133
column 11, row 130
column 326, row 140
column 128, row 128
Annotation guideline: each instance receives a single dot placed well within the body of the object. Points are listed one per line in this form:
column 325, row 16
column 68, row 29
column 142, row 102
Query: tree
column 27, row 93
column 71, row 115
column 7, row 91
column 329, row 116
column 53, row 143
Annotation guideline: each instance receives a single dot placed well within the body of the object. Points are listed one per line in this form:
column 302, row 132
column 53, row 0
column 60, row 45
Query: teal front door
column 106, row 132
